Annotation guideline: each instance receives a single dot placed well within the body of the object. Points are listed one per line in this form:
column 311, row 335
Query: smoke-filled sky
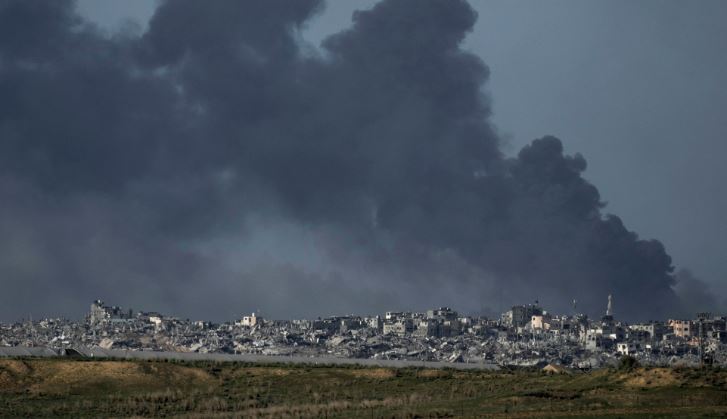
column 212, row 158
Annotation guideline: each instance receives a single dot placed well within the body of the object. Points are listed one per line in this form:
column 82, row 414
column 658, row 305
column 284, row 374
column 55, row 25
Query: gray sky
column 639, row 88
column 211, row 160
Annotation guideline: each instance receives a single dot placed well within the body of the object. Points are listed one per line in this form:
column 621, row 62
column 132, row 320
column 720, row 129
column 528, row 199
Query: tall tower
column 609, row 307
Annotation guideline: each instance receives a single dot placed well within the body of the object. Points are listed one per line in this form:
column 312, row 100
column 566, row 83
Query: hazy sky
column 639, row 88
column 206, row 159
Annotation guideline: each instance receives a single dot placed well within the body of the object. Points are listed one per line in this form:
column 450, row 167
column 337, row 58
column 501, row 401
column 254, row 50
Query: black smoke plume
column 216, row 164
column 696, row 296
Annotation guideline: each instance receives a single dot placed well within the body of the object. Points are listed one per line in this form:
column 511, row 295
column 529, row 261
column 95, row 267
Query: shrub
column 627, row 363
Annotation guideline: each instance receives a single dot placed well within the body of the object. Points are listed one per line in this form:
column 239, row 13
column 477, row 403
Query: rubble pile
column 526, row 335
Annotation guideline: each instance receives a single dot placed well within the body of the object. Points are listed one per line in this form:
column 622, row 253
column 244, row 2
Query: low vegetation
column 84, row 388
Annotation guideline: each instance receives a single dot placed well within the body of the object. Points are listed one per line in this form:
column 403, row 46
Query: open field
column 83, row 388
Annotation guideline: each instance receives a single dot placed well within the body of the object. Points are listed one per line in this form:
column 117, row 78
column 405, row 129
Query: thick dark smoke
column 696, row 296
column 217, row 164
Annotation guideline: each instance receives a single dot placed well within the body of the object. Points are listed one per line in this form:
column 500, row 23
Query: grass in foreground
column 82, row 388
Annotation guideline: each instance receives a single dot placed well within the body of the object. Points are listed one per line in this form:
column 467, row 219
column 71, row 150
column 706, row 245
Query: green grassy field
column 81, row 388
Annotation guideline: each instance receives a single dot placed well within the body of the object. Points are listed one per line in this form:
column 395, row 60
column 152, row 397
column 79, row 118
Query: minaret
column 609, row 307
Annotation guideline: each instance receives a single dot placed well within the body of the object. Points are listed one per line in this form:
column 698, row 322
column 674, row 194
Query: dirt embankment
column 61, row 376
column 376, row 373
column 656, row 377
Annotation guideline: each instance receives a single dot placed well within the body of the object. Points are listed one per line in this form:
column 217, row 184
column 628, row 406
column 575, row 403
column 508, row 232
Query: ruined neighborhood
column 524, row 336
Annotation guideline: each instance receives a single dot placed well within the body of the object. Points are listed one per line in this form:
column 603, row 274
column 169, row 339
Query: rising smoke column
column 122, row 157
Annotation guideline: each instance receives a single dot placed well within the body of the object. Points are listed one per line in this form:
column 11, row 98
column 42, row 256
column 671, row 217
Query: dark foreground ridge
column 59, row 387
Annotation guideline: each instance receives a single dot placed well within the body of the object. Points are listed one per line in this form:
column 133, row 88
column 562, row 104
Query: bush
column 627, row 363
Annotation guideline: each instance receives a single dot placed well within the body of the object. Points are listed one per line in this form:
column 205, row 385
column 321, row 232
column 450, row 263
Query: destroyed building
column 525, row 335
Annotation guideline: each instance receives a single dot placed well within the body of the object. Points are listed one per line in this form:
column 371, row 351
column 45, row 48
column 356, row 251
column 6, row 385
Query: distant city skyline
column 523, row 336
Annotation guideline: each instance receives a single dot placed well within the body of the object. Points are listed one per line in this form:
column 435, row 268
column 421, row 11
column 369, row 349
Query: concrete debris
column 525, row 336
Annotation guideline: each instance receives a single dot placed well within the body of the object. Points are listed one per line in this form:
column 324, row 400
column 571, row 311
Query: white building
column 249, row 321
column 156, row 320
column 626, row 348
